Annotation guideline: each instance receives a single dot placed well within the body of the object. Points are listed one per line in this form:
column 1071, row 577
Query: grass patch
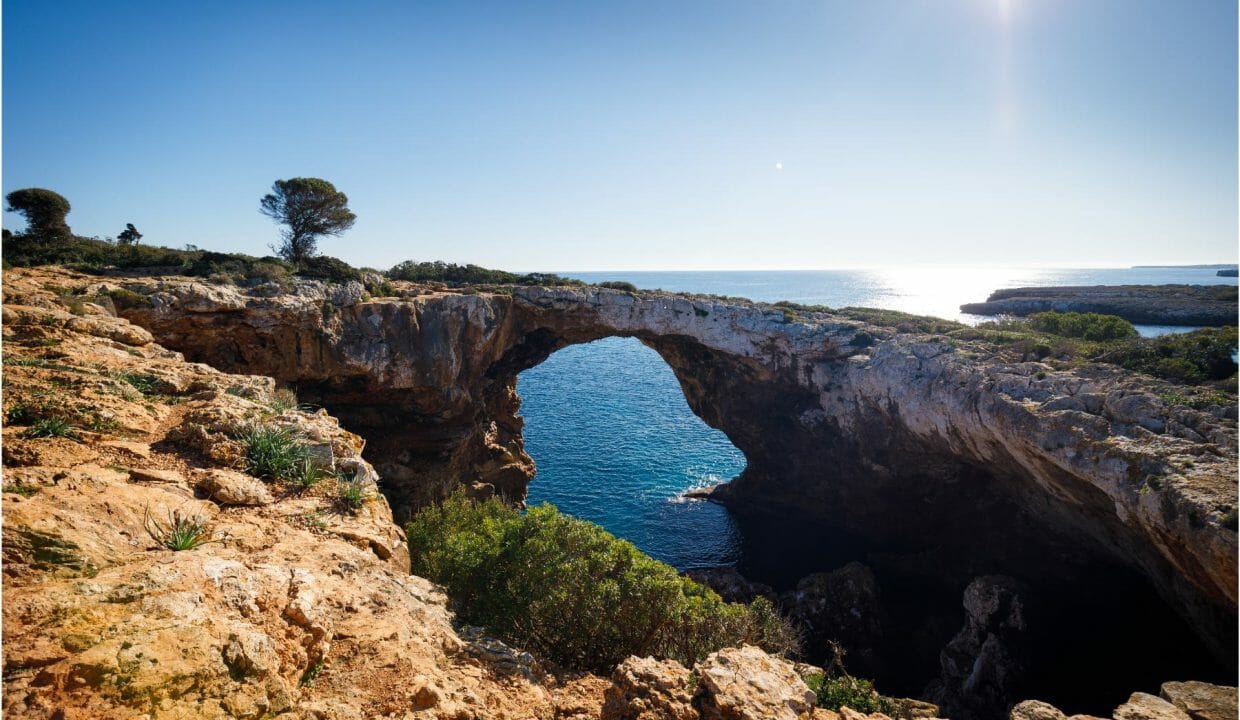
column 50, row 427
column 272, row 452
column 350, row 494
column 23, row 490
column 179, row 532
column 282, row 401
column 569, row 591
column 142, row 382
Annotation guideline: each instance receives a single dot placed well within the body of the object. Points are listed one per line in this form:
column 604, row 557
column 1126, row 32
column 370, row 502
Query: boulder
column 229, row 487
column 1143, row 706
column 649, row 689
column 746, row 683
column 1202, row 701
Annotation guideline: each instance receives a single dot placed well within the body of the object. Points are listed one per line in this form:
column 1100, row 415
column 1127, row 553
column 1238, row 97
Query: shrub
column 272, row 452
column 851, row 692
column 572, row 592
column 305, row 473
column 457, row 275
column 1088, row 326
column 1188, row 358
column 324, row 267
column 618, row 285
column 125, row 299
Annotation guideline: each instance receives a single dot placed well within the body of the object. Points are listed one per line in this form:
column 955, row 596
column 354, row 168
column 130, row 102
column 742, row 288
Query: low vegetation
column 273, row 452
column 847, row 691
column 1088, row 326
column 456, row 275
column 573, row 593
column 350, row 494
column 49, row 427
column 179, row 532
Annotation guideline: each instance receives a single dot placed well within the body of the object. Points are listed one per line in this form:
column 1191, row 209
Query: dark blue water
column 616, row 443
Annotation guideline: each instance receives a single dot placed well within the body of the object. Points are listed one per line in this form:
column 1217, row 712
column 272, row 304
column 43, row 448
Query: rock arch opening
column 615, row 443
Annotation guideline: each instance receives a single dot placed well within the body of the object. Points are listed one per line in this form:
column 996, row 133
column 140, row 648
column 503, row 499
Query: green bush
column 455, row 275
column 573, row 593
column 323, row 267
column 1199, row 356
column 618, row 285
column 847, row 691
column 1088, row 326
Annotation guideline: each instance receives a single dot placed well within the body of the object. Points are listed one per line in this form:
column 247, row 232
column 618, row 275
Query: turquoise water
column 616, row 443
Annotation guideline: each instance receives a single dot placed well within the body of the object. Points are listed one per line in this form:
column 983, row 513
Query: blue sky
column 642, row 135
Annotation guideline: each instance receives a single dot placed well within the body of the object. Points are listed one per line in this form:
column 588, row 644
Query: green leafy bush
column 1190, row 358
column 454, row 275
column 1088, row 326
column 618, row 285
column 324, row 267
column 848, row 691
column 572, row 592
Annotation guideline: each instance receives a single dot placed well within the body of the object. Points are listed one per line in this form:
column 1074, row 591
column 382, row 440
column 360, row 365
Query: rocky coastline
column 1202, row 305
column 1028, row 478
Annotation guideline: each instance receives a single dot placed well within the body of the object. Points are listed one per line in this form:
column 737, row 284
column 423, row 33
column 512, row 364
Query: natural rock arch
column 908, row 439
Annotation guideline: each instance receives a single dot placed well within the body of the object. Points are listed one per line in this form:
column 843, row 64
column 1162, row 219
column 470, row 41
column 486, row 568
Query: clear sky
column 642, row 134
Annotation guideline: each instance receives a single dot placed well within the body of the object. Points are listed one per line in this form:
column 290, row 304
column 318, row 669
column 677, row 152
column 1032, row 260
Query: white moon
column 779, row 166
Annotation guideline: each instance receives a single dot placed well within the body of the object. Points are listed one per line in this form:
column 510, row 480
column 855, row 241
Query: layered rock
column 896, row 437
column 1175, row 701
column 1210, row 305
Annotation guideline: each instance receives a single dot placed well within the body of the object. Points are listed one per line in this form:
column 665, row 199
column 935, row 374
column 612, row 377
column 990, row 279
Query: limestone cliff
column 908, row 437
column 898, row 437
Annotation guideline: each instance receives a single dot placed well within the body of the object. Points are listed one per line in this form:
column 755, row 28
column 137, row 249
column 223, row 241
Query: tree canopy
column 311, row 208
column 44, row 211
column 129, row 235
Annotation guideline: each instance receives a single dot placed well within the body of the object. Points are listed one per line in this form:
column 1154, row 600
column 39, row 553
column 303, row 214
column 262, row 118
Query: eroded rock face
column 842, row 606
column 983, row 665
column 904, row 439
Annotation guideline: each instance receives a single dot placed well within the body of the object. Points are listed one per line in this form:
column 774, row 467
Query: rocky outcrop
column 1176, row 701
column 1210, row 305
column 982, row 667
column 845, row 607
column 277, row 603
column 898, row 438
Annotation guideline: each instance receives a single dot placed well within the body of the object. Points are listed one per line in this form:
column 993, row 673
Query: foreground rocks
column 1209, row 305
column 1176, row 701
column 288, row 608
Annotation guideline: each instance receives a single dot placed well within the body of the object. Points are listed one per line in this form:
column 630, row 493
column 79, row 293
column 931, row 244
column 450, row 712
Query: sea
column 615, row 442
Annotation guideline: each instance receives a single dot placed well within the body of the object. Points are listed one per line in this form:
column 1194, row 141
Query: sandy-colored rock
column 1035, row 710
column 229, row 487
column 748, row 684
column 1202, row 701
column 157, row 476
column 649, row 689
column 1143, row 706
